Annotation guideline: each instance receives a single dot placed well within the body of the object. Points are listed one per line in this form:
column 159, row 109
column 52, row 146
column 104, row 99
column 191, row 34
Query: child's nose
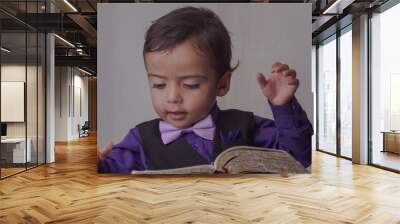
column 174, row 95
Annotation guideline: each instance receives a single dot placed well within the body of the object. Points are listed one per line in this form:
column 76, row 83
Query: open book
column 242, row 159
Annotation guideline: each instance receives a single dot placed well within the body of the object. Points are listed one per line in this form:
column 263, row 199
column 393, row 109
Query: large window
column 327, row 95
column 385, row 88
column 346, row 92
column 334, row 63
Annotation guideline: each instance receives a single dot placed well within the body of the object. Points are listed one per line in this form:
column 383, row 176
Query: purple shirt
column 291, row 131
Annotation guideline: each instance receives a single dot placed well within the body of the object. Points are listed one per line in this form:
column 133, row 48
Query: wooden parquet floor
column 71, row 191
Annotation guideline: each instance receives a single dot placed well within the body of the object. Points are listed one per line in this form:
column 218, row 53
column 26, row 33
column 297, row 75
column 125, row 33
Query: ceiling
column 76, row 22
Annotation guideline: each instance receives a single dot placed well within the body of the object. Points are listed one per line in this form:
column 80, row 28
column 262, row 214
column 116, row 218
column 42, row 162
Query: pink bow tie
column 204, row 128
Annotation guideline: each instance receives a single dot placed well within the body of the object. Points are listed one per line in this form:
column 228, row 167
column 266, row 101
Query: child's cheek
column 157, row 102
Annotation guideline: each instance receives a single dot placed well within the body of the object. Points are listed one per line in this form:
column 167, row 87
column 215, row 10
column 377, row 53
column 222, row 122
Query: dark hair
column 202, row 26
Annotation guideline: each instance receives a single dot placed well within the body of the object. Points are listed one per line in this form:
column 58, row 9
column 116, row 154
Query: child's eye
column 191, row 86
column 158, row 86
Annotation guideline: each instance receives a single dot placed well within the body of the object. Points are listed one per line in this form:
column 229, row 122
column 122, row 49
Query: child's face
column 183, row 86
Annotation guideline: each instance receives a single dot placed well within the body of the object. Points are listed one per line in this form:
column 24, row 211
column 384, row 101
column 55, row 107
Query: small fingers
column 223, row 170
column 279, row 67
column 290, row 77
column 275, row 66
column 290, row 73
column 282, row 67
column 262, row 81
column 103, row 152
column 293, row 82
column 108, row 146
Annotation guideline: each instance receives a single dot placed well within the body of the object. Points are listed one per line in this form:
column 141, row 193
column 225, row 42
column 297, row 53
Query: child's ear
column 224, row 84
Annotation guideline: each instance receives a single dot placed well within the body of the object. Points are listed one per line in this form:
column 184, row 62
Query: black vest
column 179, row 153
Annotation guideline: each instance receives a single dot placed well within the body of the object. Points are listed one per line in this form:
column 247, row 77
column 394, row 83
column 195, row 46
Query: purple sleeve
column 125, row 156
column 291, row 131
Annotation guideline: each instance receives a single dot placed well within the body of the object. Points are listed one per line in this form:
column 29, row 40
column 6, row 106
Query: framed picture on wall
column 12, row 101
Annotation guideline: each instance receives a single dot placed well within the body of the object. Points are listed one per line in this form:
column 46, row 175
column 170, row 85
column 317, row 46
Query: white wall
column 80, row 83
column 67, row 80
column 261, row 35
column 61, row 103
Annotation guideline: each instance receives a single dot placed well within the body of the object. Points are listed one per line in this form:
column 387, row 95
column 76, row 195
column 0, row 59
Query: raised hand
column 280, row 85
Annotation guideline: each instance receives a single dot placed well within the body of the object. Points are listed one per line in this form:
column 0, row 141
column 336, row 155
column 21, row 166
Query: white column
column 360, row 90
column 50, row 110
column 50, row 92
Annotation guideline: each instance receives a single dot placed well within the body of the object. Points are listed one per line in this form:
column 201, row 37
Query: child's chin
column 179, row 123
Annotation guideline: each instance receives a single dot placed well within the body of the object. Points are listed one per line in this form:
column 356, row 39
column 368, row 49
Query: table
column 391, row 141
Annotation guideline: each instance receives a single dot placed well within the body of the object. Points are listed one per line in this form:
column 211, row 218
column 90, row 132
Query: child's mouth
column 178, row 115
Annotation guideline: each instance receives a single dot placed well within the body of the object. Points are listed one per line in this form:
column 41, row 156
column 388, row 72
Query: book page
column 247, row 159
column 200, row 169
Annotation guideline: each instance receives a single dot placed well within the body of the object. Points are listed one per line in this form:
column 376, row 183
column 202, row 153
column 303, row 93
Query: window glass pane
column 22, row 88
column 31, row 97
column 41, row 97
column 346, row 94
column 14, row 150
column 385, row 78
column 327, row 96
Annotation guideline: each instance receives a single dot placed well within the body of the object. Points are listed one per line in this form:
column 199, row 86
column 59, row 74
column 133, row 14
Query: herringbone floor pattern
column 70, row 191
